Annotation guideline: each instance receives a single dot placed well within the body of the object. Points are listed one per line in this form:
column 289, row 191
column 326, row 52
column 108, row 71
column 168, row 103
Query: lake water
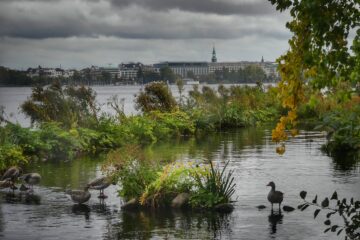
column 49, row 214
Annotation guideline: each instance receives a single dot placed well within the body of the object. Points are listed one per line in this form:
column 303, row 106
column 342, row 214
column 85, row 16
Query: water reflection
column 81, row 209
column 275, row 218
column 170, row 224
column 254, row 161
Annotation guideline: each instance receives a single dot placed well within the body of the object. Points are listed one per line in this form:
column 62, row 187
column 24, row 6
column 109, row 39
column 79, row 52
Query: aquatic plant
column 175, row 178
column 347, row 211
column 128, row 167
column 214, row 187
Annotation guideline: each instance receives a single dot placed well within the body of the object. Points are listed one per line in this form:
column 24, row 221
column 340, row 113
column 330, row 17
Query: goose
column 13, row 173
column 31, row 179
column 7, row 183
column 79, row 196
column 100, row 184
column 274, row 196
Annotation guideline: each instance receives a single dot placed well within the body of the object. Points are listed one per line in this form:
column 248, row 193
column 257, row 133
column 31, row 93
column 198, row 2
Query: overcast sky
column 80, row 33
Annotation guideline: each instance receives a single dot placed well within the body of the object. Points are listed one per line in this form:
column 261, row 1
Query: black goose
column 274, row 196
column 100, row 184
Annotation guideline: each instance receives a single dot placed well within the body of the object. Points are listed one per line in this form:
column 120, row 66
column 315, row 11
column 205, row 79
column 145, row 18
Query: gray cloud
column 38, row 20
column 221, row 7
column 38, row 32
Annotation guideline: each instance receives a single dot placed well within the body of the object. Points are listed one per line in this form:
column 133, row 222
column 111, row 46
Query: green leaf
column 315, row 200
column 325, row 203
column 305, row 207
column 334, row 196
column 326, row 230
column 303, row 194
column 316, row 213
column 338, row 233
column 333, row 228
column 327, row 222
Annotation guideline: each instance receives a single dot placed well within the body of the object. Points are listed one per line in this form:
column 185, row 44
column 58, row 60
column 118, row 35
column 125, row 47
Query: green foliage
column 156, row 96
column 348, row 211
column 10, row 77
column 235, row 106
column 213, row 188
column 11, row 155
column 324, row 37
column 70, row 106
column 174, row 178
column 343, row 127
column 128, row 167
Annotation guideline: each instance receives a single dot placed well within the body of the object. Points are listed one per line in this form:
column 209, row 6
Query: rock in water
column 131, row 204
column 224, row 208
column 288, row 208
column 260, row 207
column 180, row 200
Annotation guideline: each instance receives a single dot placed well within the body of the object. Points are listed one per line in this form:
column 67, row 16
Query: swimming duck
column 100, row 184
column 79, row 196
column 274, row 196
column 31, row 179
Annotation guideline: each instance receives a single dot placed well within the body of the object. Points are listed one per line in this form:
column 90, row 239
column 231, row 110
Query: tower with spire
column 214, row 59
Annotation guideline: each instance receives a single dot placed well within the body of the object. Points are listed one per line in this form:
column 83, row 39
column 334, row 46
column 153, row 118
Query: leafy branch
column 349, row 211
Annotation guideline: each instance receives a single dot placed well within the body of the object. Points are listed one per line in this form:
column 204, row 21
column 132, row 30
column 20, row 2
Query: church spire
column 213, row 59
column 262, row 59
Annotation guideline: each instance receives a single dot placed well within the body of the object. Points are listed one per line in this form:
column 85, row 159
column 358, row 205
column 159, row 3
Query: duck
column 79, row 196
column 7, row 183
column 31, row 179
column 100, row 184
column 13, row 173
column 274, row 196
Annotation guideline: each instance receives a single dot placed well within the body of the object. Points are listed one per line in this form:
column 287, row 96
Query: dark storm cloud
column 136, row 19
column 85, row 32
column 221, row 7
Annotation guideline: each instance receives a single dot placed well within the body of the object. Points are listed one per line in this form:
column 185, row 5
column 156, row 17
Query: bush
column 70, row 106
column 156, row 96
column 174, row 178
column 213, row 188
column 11, row 155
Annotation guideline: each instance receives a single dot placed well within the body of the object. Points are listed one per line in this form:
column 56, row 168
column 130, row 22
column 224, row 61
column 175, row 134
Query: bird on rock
column 100, row 184
column 31, row 179
column 274, row 196
column 7, row 183
column 13, row 173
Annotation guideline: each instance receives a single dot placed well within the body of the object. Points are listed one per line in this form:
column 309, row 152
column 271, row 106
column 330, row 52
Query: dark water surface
column 51, row 215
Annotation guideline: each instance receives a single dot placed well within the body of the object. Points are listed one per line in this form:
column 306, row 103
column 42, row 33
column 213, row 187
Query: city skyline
column 77, row 34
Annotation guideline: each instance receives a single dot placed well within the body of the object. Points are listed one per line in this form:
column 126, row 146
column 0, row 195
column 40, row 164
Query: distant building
column 214, row 59
column 45, row 72
column 184, row 69
column 129, row 71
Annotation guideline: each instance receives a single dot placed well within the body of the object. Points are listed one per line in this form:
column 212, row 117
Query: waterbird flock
column 13, row 174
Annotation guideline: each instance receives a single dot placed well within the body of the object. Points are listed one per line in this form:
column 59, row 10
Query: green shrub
column 11, row 155
column 213, row 188
column 174, row 178
column 129, row 168
column 155, row 97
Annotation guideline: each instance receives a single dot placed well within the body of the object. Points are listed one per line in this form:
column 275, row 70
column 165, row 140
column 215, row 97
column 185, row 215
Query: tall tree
column 319, row 53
